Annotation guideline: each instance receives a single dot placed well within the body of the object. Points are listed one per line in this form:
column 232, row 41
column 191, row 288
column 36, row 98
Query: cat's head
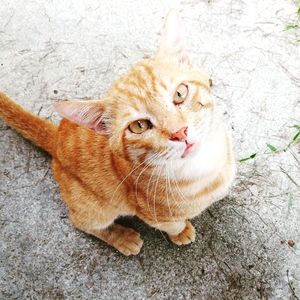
column 160, row 110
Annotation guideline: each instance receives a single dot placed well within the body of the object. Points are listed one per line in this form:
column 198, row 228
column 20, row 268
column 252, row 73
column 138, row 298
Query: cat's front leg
column 90, row 214
column 179, row 232
column 124, row 239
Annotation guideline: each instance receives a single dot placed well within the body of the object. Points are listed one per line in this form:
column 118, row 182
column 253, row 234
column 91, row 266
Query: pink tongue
column 187, row 149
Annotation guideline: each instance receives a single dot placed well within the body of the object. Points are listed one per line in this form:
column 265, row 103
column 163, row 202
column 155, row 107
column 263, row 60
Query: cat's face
column 160, row 110
column 163, row 107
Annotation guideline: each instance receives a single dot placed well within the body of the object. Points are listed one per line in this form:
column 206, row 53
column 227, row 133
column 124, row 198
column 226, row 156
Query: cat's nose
column 180, row 135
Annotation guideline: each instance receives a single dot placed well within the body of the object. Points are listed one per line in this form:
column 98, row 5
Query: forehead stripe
column 202, row 84
column 128, row 93
column 152, row 77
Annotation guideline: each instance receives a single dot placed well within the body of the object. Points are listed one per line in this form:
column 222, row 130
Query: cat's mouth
column 188, row 148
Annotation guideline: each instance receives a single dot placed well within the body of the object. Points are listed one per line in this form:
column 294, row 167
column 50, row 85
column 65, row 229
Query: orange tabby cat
column 155, row 147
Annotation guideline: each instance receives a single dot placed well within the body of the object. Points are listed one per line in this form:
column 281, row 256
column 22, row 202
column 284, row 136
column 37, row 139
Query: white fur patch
column 205, row 96
column 207, row 159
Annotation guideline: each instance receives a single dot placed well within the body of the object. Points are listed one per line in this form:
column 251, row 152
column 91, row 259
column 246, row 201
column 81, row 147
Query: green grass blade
column 248, row 157
column 272, row 148
column 296, row 136
column 291, row 26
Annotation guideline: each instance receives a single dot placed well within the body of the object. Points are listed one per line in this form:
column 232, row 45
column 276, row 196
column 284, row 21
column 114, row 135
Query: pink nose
column 180, row 135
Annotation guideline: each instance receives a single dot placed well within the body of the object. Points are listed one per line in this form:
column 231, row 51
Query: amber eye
column 140, row 126
column 181, row 94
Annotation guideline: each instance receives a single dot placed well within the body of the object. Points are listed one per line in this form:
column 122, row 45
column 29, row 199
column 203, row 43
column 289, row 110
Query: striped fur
column 105, row 171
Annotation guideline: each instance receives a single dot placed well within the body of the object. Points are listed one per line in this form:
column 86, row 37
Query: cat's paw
column 186, row 236
column 128, row 242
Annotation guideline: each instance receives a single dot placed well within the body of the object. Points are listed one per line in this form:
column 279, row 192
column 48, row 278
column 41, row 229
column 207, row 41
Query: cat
column 155, row 147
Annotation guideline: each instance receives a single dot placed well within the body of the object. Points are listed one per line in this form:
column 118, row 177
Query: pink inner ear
column 76, row 118
column 98, row 125
column 86, row 113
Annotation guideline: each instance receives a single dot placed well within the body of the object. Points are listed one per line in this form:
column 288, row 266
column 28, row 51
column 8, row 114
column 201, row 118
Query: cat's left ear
column 173, row 38
column 87, row 113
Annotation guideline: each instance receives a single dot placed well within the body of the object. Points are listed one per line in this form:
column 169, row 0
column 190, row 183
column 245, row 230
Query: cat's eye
column 140, row 126
column 181, row 94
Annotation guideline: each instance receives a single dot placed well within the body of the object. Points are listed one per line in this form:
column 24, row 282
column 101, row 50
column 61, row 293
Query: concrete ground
column 248, row 244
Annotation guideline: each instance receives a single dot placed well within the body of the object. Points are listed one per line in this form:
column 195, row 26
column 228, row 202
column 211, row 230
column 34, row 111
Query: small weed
column 272, row 148
column 296, row 137
column 291, row 26
column 294, row 140
column 248, row 157
column 289, row 177
column 295, row 25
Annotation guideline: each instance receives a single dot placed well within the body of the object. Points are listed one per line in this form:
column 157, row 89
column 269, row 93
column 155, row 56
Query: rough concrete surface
column 53, row 50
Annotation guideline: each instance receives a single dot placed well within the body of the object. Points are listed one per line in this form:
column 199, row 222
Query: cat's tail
column 41, row 132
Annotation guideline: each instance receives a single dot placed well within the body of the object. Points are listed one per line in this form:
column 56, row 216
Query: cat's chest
column 203, row 178
column 189, row 198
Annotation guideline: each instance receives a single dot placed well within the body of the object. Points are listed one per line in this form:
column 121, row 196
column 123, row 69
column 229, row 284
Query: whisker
column 167, row 179
column 118, row 186
column 147, row 194
column 177, row 204
column 149, row 162
column 155, row 193
column 148, row 186
column 177, row 187
column 154, row 201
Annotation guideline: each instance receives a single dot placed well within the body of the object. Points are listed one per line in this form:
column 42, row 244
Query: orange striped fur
column 105, row 171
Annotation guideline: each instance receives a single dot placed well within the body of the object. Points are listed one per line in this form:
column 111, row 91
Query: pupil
column 179, row 94
column 140, row 124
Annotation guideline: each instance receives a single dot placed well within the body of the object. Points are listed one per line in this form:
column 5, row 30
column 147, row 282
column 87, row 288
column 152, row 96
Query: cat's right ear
column 173, row 38
column 87, row 113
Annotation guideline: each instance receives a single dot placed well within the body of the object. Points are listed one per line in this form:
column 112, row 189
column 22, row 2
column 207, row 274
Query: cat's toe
column 185, row 237
column 129, row 243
